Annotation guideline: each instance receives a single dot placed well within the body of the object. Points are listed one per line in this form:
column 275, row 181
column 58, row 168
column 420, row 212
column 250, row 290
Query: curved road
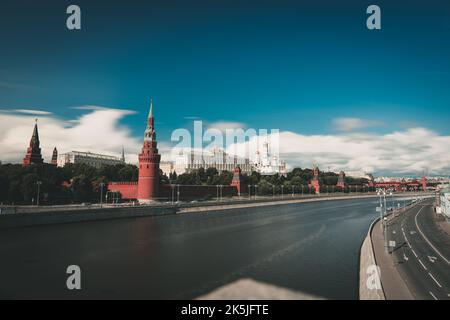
column 422, row 255
column 309, row 247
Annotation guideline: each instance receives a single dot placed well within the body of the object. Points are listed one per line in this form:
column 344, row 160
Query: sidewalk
column 393, row 285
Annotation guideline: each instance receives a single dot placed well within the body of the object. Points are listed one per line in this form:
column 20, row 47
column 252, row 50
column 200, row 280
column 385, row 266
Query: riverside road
column 422, row 254
column 308, row 247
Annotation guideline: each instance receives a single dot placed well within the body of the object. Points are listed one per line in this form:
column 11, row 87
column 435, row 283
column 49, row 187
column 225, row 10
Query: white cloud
column 224, row 125
column 352, row 124
column 401, row 152
column 30, row 111
column 96, row 131
column 406, row 151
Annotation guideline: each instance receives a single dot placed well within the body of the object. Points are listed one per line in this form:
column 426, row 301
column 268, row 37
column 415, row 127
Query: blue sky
column 292, row 65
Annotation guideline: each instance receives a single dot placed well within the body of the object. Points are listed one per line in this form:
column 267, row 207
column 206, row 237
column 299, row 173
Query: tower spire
column 34, row 142
column 150, row 113
column 55, row 157
column 33, row 154
column 149, row 133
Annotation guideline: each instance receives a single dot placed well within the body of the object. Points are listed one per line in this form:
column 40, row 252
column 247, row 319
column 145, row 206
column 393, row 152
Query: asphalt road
column 422, row 253
column 308, row 247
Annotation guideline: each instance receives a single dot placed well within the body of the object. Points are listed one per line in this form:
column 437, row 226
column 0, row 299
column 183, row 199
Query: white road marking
column 407, row 241
column 415, row 254
column 432, row 259
column 426, row 239
column 422, row 265
column 435, row 280
column 434, row 297
column 405, row 257
column 412, row 232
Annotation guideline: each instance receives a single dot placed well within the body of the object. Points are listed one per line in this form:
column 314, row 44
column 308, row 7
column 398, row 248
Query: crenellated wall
column 128, row 190
column 191, row 192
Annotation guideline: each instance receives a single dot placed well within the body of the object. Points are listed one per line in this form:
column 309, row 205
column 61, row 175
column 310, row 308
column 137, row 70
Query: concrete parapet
column 370, row 287
column 57, row 217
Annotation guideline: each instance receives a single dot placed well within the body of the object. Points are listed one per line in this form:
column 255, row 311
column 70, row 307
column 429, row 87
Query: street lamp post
column 38, row 191
column 385, row 222
column 381, row 208
column 249, row 191
column 293, row 190
column 173, row 193
column 178, row 193
column 282, row 191
column 101, row 184
column 392, row 199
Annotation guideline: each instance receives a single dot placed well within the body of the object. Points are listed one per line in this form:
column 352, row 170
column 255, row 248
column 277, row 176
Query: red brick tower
column 54, row 157
column 341, row 180
column 33, row 154
column 148, row 183
column 423, row 181
column 236, row 182
column 315, row 180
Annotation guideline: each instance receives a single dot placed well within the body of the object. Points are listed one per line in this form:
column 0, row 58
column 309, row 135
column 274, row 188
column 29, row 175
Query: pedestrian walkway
column 394, row 286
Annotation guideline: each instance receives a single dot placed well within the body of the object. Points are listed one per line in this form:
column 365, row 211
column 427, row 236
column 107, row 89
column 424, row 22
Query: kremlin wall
column 148, row 187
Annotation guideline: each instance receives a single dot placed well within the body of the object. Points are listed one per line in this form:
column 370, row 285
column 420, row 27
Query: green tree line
column 76, row 183
column 73, row 183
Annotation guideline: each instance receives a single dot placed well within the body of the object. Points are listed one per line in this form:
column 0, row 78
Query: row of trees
column 75, row 183
column 297, row 180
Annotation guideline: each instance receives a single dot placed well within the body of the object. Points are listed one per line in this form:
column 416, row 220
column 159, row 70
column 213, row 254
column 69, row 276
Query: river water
column 309, row 247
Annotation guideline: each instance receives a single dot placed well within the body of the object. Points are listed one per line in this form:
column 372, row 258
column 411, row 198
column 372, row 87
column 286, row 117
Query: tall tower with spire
column 55, row 157
column 149, row 159
column 33, row 154
column 315, row 180
column 341, row 180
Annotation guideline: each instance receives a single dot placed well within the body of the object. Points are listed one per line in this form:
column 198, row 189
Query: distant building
column 444, row 202
column 55, row 157
column 186, row 161
column 167, row 167
column 359, row 174
column 92, row 159
column 33, row 154
column 268, row 164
